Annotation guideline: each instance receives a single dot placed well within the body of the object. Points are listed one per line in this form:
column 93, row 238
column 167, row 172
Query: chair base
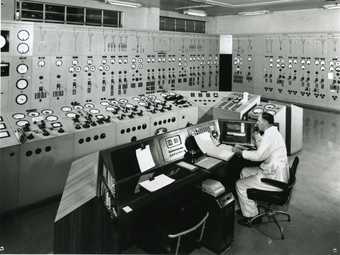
column 268, row 212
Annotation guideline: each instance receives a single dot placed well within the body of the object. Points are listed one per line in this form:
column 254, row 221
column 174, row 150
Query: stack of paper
column 208, row 147
column 157, row 183
column 144, row 158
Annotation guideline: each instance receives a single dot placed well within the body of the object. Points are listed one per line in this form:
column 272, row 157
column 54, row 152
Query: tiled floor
column 315, row 206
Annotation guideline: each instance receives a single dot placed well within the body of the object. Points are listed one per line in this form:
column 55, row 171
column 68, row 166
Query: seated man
column 272, row 151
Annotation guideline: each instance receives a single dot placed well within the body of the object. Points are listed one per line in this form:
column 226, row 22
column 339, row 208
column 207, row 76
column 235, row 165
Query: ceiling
column 231, row 7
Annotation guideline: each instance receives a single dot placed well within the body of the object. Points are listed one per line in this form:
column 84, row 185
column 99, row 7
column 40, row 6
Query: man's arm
column 262, row 152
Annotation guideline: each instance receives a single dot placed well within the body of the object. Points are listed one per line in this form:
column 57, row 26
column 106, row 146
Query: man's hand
column 237, row 150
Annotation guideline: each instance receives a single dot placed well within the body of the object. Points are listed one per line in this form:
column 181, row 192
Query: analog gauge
column 278, row 65
column 110, row 109
column 133, row 60
column 114, row 102
column 104, row 61
column 144, row 104
column 163, row 95
column 23, row 35
column 271, row 112
column 18, row 116
column 70, row 115
column 278, row 60
column 137, row 99
column 337, row 68
column 159, row 60
column 86, row 68
column 290, row 61
column 123, row 101
column 106, row 68
column 308, row 62
column 51, row 118
column 290, row 66
column 270, row 65
column 92, row 68
column 269, row 106
column 89, row 61
column 331, row 69
column 303, row 67
column 59, row 62
column 74, row 62
column 130, row 106
column 99, row 116
column 179, row 64
column 163, row 60
column 71, row 69
column 21, row 99
column 331, row 63
column 125, row 61
column 322, row 68
column 322, row 62
column 152, row 97
column 22, row 123
column 47, row 111
column 104, row 103
column 66, row 109
column 23, row 48
column 94, row 111
column 295, row 61
column 140, row 60
column 22, row 68
column 303, row 61
column 337, row 63
column 89, row 105
column 41, row 63
column 120, row 61
column 78, row 107
column 33, row 114
column 78, row 68
column 22, row 84
column 258, row 110
column 133, row 66
column 158, row 101
column 56, row 125
column 148, row 60
column 113, row 61
column 100, row 68
column 283, row 65
column 316, row 62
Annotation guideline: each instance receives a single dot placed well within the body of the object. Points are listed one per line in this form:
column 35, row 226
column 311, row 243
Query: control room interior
column 118, row 121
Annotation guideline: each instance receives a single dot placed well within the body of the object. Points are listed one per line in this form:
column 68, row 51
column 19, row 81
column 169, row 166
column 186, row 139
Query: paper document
column 208, row 147
column 157, row 183
column 208, row 162
column 187, row 165
column 145, row 159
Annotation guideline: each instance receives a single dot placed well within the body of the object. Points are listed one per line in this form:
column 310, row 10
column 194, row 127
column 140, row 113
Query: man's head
column 265, row 121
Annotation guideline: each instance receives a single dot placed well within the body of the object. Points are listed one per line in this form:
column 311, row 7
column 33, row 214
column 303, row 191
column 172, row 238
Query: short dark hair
column 268, row 117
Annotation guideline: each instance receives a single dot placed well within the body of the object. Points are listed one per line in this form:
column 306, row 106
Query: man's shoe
column 246, row 221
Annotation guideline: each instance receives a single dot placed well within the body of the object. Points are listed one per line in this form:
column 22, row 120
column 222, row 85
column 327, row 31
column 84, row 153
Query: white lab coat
column 272, row 151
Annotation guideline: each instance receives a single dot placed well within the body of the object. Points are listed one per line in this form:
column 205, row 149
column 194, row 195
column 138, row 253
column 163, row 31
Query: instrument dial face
column 104, row 103
column 70, row 115
column 269, row 107
column 51, row 118
column 21, row 99
column 47, row 111
column 22, row 84
column 89, row 105
column 33, row 114
column 66, row 109
column 100, row 116
column 74, row 62
column 56, row 125
column 137, row 99
column 59, row 62
column 143, row 104
column 18, row 116
column 110, row 109
column 22, row 123
column 123, row 101
column 23, row 35
column 22, row 68
column 23, row 48
column 78, row 107
column 114, row 102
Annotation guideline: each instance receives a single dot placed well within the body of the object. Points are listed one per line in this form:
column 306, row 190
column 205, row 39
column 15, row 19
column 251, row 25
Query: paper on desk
column 145, row 159
column 207, row 146
column 157, row 183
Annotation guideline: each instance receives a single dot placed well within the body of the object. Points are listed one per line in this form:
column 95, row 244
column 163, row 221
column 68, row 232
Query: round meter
column 130, row 106
column 56, row 125
column 18, row 116
column 78, row 107
column 94, row 111
column 71, row 69
column 71, row 115
column 123, row 101
column 99, row 116
column 51, row 118
column 269, row 106
column 23, row 35
column 41, row 63
column 21, row 99
column 89, row 105
column 23, row 48
column 104, row 61
column 59, row 62
column 66, row 109
column 107, row 68
column 92, row 68
column 144, row 104
column 22, row 84
column 22, row 123
column 104, row 103
column 136, row 99
column 47, row 111
column 33, row 114
column 114, row 102
column 74, row 62
column 89, row 61
column 22, row 68
column 110, row 109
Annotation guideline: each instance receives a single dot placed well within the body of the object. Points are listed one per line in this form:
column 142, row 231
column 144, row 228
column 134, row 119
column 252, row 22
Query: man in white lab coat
column 271, row 149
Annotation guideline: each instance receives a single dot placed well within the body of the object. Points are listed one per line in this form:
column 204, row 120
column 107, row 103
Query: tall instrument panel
column 69, row 90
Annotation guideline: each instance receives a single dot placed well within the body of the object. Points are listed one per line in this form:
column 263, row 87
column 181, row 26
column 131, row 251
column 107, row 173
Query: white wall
column 313, row 20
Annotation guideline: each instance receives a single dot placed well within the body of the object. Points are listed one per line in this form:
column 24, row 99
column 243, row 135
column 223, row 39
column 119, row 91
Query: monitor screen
column 237, row 131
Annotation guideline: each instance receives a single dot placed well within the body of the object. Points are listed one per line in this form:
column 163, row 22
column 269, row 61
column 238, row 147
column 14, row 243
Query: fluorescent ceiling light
column 254, row 13
column 224, row 4
column 193, row 12
column 331, row 6
column 123, row 3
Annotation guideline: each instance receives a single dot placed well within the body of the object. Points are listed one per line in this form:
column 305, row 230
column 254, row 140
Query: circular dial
column 22, row 68
column 99, row 116
column 23, row 35
column 33, row 114
column 70, row 115
column 51, row 118
column 2, row 41
column 66, row 109
column 110, row 109
column 18, row 116
column 59, row 62
column 123, row 101
column 78, row 107
column 22, row 123
column 22, row 84
column 89, row 105
column 47, row 111
column 258, row 110
column 56, row 125
column 143, row 104
column 94, row 111
column 23, row 48
column 130, row 106
column 21, row 99
column 269, row 106
column 114, row 102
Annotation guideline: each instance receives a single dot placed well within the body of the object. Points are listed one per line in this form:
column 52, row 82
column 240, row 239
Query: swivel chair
column 271, row 198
